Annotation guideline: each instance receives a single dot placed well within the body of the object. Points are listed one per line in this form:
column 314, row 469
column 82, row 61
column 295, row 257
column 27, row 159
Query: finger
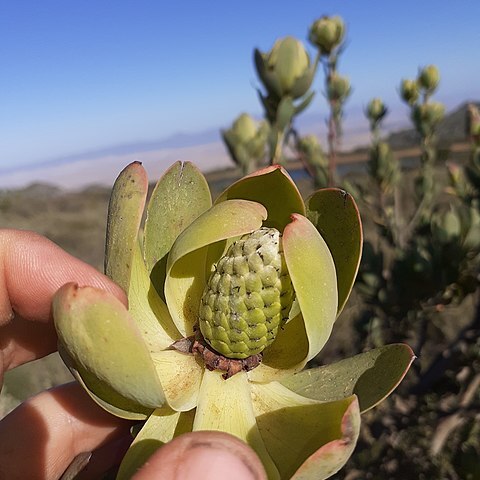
column 213, row 455
column 41, row 437
column 32, row 269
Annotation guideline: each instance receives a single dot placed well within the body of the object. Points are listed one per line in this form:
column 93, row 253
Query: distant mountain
column 450, row 130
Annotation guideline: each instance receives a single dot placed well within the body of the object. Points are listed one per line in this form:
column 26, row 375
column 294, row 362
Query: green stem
column 277, row 153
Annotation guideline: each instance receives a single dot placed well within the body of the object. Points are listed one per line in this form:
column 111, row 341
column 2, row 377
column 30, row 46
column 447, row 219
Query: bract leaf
column 148, row 310
column 274, row 189
column 180, row 375
column 226, row 405
column 313, row 276
column 286, row 355
column 372, row 376
column 97, row 332
column 116, row 404
column 306, row 439
column 335, row 215
column 158, row 430
column 186, row 264
column 125, row 211
column 285, row 113
column 180, row 196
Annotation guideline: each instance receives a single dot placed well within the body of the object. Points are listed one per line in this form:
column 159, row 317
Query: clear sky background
column 81, row 75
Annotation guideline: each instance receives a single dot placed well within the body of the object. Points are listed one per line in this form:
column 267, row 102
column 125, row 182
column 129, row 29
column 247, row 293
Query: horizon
column 84, row 79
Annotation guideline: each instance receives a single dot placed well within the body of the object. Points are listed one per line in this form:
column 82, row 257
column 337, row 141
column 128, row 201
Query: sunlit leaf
column 306, row 439
column 286, row 355
column 180, row 375
column 312, row 271
column 274, row 189
column 180, row 196
column 98, row 333
column 187, row 259
column 158, row 430
column 125, row 211
column 226, row 406
column 148, row 310
column 104, row 395
column 371, row 376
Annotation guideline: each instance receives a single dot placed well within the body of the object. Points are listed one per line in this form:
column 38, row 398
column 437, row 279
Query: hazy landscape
column 75, row 218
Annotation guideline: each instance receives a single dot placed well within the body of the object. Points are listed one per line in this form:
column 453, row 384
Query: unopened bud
column 429, row 77
column 327, row 33
column 409, row 91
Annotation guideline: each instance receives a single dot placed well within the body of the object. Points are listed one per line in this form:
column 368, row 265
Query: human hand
column 40, row 438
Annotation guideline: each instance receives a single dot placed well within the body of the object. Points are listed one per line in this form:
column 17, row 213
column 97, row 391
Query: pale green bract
column 302, row 424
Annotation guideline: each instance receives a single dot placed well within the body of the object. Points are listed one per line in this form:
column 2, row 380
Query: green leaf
column 300, row 107
column 335, row 215
column 307, row 439
column 312, row 272
column 274, row 189
column 180, row 196
column 286, row 355
column 186, row 266
column 372, row 376
column 124, row 217
column 158, row 430
column 226, row 406
column 285, row 113
column 99, row 335
column 104, row 395
column 148, row 310
column 180, row 375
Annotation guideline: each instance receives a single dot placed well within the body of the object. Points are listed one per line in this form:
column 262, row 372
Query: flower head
column 172, row 359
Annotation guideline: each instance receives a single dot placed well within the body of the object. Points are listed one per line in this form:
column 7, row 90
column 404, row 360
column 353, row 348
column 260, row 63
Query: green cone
column 248, row 296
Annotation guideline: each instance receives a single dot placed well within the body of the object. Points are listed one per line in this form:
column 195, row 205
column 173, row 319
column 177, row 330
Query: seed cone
column 248, row 297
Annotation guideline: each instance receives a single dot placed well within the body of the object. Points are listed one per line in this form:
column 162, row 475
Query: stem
column 330, row 68
column 332, row 149
column 277, row 154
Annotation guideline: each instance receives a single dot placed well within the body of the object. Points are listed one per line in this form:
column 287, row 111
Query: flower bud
column 327, row 33
column 338, row 88
column 246, row 141
column 409, row 91
column 286, row 69
column 429, row 77
column 376, row 110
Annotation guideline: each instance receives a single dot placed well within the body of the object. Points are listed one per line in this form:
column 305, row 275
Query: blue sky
column 80, row 75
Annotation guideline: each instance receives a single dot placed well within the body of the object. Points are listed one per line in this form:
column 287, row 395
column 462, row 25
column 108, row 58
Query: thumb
column 212, row 455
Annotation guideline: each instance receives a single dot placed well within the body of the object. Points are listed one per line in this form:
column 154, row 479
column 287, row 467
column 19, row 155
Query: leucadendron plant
column 228, row 302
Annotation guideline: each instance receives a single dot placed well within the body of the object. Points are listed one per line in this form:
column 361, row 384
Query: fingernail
column 203, row 462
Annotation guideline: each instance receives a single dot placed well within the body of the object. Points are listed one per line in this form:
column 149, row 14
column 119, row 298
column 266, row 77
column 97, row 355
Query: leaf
column 226, row 406
column 158, row 430
column 99, row 335
column 116, row 404
column 186, row 269
column 124, row 217
column 180, row 196
column 335, row 215
column 306, row 439
column 180, row 375
column 300, row 107
column 286, row 355
column 274, row 189
column 372, row 376
column 147, row 308
column 285, row 113
column 312, row 272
